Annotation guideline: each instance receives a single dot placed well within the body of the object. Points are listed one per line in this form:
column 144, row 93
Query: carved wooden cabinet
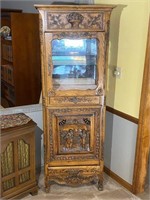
column 74, row 42
column 17, row 156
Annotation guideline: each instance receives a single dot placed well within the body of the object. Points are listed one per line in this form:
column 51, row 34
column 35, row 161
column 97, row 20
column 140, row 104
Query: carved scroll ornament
column 74, row 176
column 75, row 20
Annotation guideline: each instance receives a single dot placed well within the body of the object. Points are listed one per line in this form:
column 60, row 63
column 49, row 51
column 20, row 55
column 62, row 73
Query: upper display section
column 74, row 41
column 74, row 63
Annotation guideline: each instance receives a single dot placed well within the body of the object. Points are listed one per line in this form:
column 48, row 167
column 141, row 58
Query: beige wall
column 128, row 36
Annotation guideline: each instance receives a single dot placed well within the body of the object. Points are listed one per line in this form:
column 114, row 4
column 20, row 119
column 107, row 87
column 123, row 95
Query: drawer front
column 87, row 20
column 76, row 175
column 73, row 100
column 74, row 135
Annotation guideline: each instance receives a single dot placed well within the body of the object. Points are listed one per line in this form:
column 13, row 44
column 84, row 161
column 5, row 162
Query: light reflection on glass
column 74, row 61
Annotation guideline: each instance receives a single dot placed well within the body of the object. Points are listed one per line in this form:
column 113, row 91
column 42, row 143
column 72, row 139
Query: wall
column 127, row 46
column 28, row 5
column 119, row 146
column 128, row 37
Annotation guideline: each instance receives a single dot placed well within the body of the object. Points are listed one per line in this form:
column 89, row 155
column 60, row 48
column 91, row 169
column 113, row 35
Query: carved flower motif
column 75, row 19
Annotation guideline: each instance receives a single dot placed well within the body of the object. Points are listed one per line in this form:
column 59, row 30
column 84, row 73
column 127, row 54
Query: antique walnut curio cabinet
column 74, row 43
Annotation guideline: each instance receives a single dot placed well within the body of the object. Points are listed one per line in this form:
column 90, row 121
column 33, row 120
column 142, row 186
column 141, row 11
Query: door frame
column 143, row 135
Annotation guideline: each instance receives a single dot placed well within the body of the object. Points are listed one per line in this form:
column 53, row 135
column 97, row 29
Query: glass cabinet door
column 74, row 63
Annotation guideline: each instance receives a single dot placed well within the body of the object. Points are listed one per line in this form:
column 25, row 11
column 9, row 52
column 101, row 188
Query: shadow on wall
column 111, row 79
column 38, row 153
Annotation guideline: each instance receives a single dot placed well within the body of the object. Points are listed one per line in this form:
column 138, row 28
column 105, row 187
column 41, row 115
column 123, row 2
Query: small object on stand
column 5, row 31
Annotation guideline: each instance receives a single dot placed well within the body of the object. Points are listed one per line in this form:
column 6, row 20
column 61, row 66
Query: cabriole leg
column 47, row 185
column 100, row 183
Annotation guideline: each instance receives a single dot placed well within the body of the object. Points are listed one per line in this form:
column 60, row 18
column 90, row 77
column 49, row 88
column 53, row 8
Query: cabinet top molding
column 76, row 7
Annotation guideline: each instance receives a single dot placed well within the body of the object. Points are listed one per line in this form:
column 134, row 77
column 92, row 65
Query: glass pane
column 74, row 63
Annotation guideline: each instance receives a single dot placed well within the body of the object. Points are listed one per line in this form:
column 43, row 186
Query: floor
column 145, row 195
column 112, row 191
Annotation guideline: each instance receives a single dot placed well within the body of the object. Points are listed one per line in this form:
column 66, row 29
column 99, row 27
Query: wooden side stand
column 18, row 176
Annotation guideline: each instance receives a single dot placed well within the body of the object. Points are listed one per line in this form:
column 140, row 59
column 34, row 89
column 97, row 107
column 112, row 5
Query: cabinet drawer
column 73, row 100
column 76, row 175
column 73, row 19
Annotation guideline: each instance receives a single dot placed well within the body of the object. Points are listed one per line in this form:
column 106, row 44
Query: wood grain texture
column 143, row 138
column 18, row 161
column 74, row 119
column 25, row 58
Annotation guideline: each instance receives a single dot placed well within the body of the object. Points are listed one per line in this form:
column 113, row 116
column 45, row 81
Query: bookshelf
column 20, row 59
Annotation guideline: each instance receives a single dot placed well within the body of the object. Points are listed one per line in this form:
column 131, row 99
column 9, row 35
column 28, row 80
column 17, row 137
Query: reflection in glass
column 74, row 63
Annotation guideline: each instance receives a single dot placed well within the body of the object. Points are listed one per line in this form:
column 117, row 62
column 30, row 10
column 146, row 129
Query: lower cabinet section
column 17, row 156
column 73, row 143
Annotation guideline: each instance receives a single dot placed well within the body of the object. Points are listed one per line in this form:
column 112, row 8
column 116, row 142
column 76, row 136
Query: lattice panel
column 24, row 177
column 8, row 184
column 23, row 154
column 7, row 163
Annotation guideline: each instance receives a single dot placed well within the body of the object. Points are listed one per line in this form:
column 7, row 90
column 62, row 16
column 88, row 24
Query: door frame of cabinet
column 143, row 137
column 48, row 37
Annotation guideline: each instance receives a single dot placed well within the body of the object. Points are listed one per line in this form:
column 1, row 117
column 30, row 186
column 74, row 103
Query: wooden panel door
column 74, row 135
column 26, row 57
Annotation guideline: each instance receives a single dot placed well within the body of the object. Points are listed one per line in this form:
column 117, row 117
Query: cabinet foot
column 34, row 192
column 100, row 186
column 47, row 185
column 47, row 189
column 100, row 183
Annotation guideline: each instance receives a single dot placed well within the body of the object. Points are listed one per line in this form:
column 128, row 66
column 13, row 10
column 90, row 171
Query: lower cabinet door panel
column 74, row 136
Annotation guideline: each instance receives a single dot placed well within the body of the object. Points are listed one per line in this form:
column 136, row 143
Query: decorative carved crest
column 87, row 20
column 99, row 91
column 75, row 19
